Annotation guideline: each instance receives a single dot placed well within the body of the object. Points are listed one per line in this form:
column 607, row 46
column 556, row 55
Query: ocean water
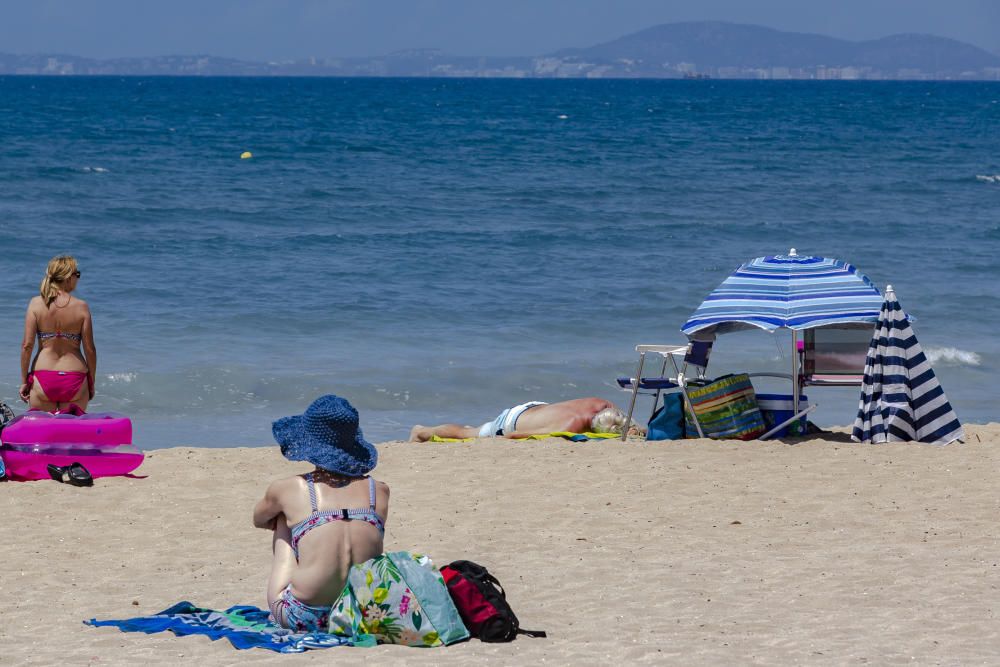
column 437, row 250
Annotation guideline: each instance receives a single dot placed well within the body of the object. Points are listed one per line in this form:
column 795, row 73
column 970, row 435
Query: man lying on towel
column 581, row 415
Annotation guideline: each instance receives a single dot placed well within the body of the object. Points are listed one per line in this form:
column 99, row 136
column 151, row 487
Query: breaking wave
column 951, row 356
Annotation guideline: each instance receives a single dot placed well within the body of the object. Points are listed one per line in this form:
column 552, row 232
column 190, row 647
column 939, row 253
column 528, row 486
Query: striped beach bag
column 726, row 408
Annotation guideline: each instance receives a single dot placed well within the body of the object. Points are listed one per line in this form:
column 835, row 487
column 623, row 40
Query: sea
column 436, row 250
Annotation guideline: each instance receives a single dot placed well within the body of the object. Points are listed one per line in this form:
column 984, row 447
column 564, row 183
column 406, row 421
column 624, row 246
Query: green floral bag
column 397, row 598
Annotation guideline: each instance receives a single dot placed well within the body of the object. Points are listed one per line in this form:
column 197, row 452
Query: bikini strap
column 312, row 493
column 371, row 493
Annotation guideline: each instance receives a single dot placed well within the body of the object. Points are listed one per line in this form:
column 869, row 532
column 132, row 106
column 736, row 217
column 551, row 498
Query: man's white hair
column 608, row 420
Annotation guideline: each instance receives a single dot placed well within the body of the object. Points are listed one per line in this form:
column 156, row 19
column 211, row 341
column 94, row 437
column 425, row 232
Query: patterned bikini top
column 49, row 335
column 318, row 518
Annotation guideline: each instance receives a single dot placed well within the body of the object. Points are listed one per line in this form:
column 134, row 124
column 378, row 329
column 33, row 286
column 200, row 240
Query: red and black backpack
column 482, row 603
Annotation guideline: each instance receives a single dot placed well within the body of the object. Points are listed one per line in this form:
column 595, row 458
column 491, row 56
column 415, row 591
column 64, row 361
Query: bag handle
column 489, row 578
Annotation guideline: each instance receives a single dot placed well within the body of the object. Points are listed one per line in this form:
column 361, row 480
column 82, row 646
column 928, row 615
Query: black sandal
column 6, row 415
column 74, row 474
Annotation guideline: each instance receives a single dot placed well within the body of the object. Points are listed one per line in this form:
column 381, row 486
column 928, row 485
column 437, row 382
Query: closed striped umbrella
column 901, row 398
column 787, row 291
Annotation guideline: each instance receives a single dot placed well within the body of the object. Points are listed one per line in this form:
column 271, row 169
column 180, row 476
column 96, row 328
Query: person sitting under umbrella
column 580, row 415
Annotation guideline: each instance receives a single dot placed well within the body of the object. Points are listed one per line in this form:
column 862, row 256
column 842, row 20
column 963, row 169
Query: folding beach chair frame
column 695, row 353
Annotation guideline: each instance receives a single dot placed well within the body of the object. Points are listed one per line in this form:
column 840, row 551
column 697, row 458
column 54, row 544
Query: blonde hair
column 608, row 420
column 58, row 271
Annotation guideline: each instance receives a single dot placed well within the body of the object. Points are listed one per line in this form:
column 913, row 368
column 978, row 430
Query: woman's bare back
column 68, row 320
column 327, row 551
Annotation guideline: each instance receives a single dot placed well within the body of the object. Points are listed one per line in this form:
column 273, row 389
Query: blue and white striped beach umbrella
column 787, row 291
column 901, row 398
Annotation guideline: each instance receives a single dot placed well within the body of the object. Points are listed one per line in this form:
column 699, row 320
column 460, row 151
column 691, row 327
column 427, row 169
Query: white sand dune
column 694, row 552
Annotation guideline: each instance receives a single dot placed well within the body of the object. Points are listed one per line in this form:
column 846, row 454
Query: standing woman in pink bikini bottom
column 61, row 373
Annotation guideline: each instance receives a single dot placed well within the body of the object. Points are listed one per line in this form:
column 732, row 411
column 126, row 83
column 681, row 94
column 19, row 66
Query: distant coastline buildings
column 698, row 50
column 539, row 68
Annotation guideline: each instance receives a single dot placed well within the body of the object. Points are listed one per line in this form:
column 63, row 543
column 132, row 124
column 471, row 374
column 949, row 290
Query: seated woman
column 579, row 415
column 324, row 521
column 60, row 374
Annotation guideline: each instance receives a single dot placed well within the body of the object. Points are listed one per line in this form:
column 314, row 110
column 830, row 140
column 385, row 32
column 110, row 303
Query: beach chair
column 694, row 358
column 834, row 357
column 831, row 357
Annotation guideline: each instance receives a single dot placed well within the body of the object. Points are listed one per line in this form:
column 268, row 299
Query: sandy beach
column 693, row 552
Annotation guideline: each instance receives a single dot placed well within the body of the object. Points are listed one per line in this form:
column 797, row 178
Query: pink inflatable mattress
column 101, row 441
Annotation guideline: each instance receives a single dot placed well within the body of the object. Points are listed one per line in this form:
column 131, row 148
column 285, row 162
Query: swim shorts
column 506, row 421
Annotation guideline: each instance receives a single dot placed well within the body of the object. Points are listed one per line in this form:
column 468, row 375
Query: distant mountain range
column 695, row 50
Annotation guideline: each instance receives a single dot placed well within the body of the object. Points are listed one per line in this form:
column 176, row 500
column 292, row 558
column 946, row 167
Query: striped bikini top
column 49, row 335
column 318, row 518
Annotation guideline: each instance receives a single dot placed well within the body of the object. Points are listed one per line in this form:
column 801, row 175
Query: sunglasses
column 76, row 274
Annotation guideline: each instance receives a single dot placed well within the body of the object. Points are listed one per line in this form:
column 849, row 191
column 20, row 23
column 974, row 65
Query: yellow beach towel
column 575, row 437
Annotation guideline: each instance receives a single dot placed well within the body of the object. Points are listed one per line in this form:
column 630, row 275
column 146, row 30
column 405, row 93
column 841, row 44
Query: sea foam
column 951, row 356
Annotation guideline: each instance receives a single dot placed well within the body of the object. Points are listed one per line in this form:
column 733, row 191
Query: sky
column 274, row 30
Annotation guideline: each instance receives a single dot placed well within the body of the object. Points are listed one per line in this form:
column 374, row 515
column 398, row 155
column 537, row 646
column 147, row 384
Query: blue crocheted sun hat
column 328, row 436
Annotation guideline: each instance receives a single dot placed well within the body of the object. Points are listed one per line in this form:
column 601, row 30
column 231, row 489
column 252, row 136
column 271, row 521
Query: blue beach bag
column 667, row 423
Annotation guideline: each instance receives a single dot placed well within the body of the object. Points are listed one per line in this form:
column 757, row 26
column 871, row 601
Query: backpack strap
column 532, row 633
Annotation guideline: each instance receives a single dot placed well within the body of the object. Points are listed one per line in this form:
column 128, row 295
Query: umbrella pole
column 795, row 372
